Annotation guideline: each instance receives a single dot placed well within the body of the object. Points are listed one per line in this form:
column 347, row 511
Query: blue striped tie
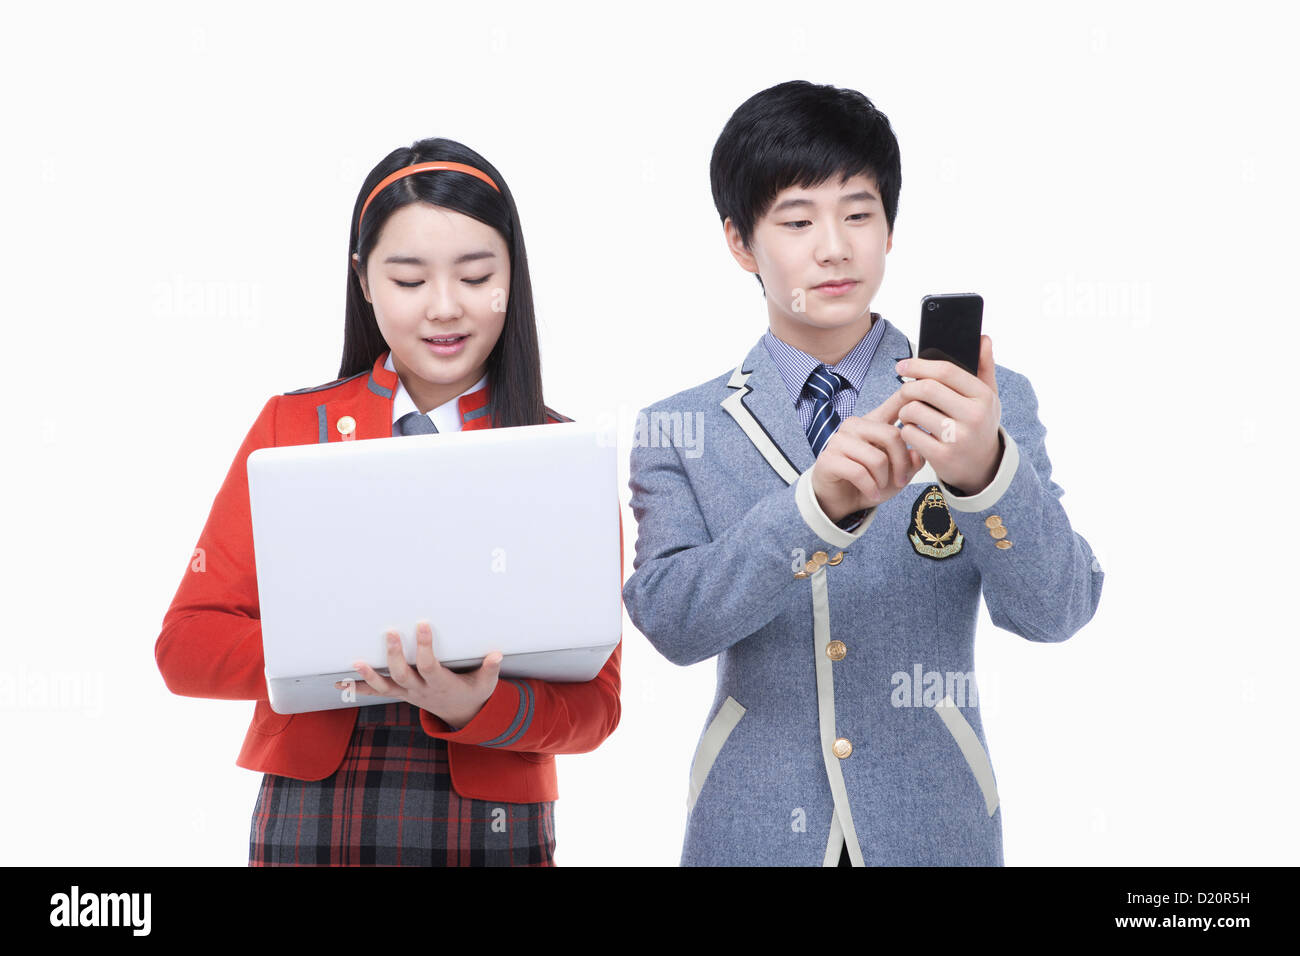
column 823, row 384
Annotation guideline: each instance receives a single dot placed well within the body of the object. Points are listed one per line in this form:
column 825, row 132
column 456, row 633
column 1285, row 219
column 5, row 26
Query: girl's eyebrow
column 417, row 261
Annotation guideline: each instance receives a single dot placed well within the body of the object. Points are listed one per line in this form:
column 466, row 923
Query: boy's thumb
column 987, row 370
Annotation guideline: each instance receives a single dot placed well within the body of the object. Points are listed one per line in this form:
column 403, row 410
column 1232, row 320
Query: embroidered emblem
column 932, row 532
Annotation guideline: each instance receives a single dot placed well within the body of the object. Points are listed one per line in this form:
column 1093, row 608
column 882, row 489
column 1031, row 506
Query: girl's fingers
column 359, row 687
column 485, row 677
column 399, row 671
column 403, row 680
column 375, row 680
column 426, row 662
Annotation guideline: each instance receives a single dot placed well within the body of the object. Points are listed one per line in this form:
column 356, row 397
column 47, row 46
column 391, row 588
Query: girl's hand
column 454, row 698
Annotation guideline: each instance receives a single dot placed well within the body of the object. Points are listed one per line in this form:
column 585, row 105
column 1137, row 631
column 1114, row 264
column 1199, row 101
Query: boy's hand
column 865, row 462
column 454, row 698
column 960, row 412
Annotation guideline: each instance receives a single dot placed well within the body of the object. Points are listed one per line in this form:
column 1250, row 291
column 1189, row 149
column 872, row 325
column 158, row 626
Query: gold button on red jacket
column 211, row 640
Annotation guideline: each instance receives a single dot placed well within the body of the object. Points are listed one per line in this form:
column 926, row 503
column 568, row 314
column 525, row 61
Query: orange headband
column 420, row 168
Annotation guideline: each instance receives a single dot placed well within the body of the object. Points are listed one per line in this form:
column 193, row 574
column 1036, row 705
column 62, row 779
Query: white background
column 1118, row 183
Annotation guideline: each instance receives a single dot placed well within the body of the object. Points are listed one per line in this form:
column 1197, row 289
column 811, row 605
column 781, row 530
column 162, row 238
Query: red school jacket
column 211, row 640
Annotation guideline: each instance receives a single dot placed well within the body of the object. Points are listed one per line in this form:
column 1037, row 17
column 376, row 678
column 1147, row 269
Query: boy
column 830, row 559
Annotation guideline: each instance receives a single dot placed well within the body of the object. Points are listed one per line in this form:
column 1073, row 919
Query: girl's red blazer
column 211, row 640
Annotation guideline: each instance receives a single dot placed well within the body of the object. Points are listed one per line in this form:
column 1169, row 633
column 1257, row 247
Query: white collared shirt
column 446, row 417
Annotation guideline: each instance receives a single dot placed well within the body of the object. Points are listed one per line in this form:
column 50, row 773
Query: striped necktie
column 823, row 384
column 414, row 423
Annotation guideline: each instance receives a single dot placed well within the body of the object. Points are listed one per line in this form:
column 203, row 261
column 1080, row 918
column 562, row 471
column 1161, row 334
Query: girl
column 439, row 335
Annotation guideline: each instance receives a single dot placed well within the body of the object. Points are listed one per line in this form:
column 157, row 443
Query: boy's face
column 808, row 240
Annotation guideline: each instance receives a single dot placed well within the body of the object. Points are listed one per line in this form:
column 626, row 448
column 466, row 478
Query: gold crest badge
column 932, row 532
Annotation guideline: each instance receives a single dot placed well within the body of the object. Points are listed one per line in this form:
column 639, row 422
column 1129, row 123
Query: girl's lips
column 446, row 348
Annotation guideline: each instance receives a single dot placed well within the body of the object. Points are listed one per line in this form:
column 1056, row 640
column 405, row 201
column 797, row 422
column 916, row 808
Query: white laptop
column 502, row 538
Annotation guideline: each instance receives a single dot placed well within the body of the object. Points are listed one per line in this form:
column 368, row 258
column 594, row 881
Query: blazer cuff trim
column 504, row 718
column 523, row 718
column 819, row 523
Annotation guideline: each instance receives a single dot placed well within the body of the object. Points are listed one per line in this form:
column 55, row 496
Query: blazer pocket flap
column 976, row 757
column 715, row 736
column 267, row 721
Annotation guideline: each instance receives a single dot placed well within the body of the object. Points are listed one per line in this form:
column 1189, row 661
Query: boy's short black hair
column 800, row 134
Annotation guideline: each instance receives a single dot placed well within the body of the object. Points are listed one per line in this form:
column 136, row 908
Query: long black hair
column 514, row 366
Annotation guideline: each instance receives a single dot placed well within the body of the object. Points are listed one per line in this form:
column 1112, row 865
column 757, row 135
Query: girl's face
column 436, row 274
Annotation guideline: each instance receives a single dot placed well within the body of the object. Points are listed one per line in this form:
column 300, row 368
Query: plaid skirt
column 391, row 803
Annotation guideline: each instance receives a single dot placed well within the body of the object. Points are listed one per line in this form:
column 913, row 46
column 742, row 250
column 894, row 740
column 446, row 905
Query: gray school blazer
column 846, row 708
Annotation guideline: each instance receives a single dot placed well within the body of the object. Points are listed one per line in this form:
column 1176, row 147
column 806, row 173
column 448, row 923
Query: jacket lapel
column 881, row 380
column 476, row 409
column 369, row 412
column 757, row 399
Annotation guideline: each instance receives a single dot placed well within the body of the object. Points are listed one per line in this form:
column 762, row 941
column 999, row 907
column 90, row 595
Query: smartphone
column 950, row 329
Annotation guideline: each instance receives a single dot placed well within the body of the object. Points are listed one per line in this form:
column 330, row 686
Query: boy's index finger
column 887, row 411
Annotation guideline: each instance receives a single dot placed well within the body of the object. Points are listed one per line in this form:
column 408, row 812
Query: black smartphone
column 950, row 329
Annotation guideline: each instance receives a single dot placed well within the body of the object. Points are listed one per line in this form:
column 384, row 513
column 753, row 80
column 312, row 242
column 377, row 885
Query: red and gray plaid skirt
column 391, row 803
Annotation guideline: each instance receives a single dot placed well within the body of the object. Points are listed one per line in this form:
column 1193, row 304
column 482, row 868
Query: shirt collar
column 795, row 366
column 446, row 417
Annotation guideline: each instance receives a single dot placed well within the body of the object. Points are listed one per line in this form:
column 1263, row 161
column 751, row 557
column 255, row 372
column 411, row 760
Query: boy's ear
column 890, row 243
column 737, row 247
column 356, row 265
